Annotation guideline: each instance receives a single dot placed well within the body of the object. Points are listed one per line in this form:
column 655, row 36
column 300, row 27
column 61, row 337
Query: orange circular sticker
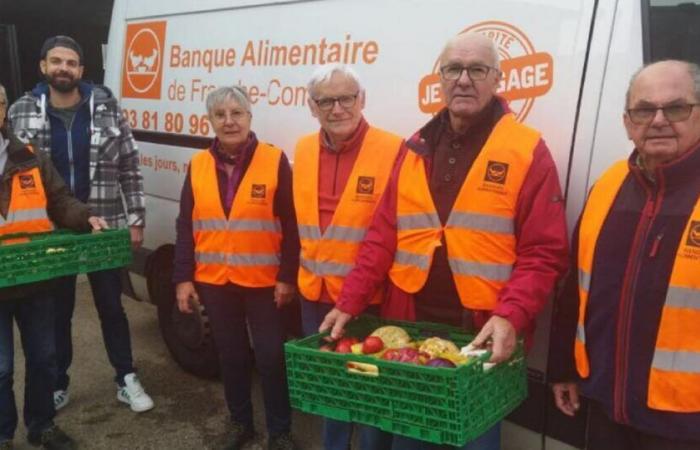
column 527, row 74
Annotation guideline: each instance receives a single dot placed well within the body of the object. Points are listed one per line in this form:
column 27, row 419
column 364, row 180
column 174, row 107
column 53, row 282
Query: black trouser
column 604, row 434
column 229, row 308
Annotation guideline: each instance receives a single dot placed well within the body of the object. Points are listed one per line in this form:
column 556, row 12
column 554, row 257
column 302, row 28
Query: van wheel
column 187, row 336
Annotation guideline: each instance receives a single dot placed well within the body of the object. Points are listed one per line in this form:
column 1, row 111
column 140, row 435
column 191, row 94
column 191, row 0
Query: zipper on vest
column 655, row 245
column 622, row 349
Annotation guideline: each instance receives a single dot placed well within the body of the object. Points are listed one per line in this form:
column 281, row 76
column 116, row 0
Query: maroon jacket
column 632, row 266
column 540, row 232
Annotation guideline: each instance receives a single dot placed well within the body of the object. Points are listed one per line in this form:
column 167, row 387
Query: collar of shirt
column 243, row 154
column 355, row 140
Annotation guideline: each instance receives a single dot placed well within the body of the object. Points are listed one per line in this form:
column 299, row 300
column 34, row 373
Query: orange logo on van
column 527, row 74
column 143, row 60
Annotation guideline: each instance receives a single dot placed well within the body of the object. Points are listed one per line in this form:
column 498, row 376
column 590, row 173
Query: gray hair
column 693, row 71
column 220, row 95
column 479, row 39
column 324, row 73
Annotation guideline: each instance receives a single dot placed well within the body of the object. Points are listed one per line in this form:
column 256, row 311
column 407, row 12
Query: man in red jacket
column 471, row 229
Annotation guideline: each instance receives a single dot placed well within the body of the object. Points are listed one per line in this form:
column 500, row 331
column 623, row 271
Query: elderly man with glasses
column 627, row 331
column 471, row 230
column 339, row 176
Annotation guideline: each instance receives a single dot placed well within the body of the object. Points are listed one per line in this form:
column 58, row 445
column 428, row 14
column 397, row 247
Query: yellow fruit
column 392, row 336
column 438, row 347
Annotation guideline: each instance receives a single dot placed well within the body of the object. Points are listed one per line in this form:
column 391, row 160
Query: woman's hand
column 186, row 296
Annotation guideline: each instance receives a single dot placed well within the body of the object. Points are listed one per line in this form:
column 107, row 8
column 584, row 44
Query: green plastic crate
column 27, row 258
column 439, row 405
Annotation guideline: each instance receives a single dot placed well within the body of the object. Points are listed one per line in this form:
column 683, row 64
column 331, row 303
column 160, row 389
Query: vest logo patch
column 496, row 172
column 365, row 185
column 27, row 182
column 258, row 191
column 694, row 234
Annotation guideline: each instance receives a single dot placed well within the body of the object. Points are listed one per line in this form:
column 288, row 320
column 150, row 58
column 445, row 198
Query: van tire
column 187, row 336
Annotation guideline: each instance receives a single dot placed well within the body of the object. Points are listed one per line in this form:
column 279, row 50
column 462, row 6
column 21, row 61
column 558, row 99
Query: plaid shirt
column 115, row 178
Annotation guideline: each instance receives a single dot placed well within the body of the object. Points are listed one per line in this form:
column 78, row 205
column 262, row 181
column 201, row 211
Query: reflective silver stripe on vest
column 25, row 215
column 242, row 259
column 309, row 232
column 412, row 259
column 417, row 221
column 325, row 268
column 682, row 297
column 495, row 272
column 584, row 280
column 478, row 221
column 688, row 362
column 236, row 225
column 581, row 333
column 343, row 233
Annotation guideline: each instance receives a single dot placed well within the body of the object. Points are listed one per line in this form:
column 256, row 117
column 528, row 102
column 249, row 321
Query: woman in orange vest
column 237, row 251
column 33, row 198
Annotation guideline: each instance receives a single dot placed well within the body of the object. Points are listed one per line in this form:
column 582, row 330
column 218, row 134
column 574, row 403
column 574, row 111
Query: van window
column 674, row 30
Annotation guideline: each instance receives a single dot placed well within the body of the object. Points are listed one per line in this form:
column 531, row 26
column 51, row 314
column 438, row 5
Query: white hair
column 324, row 73
column 479, row 39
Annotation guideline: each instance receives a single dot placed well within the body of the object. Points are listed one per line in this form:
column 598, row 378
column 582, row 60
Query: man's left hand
column 503, row 336
column 136, row 237
column 284, row 293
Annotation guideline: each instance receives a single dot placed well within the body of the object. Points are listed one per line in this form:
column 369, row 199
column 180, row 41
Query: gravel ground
column 189, row 412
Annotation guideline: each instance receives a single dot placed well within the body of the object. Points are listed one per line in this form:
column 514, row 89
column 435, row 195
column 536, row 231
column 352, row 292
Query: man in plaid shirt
column 91, row 145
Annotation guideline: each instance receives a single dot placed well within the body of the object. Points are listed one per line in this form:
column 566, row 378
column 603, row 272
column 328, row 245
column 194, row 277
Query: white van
column 566, row 67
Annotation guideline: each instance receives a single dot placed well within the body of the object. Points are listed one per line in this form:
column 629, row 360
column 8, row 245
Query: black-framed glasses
column 345, row 101
column 672, row 113
column 476, row 72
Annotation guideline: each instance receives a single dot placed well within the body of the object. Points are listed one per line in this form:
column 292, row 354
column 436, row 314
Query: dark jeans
column 337, row 435
column 106, row 289
column 228, row 308
column 375, row 439
column 604, row 434
column 35, row 320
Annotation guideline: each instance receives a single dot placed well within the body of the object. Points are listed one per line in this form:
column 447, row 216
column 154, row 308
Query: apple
column 345, row 344
column 372, row 344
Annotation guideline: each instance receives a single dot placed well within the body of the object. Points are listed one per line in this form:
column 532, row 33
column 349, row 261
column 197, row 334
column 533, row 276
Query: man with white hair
column 471, row 229
column 339, row 176
column 626, row 327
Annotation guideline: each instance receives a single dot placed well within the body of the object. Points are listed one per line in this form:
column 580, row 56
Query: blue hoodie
column 70, row 149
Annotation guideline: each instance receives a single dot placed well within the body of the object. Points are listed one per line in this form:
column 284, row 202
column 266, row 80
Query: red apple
column 345, row 344
column 372, row 344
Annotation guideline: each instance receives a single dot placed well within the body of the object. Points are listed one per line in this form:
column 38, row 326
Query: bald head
column 472, row 41
column 669, row 69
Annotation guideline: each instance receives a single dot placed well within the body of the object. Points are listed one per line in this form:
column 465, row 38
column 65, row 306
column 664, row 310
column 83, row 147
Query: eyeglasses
column 327, row 103
column 672, row 113
column 477, row 72
column 236, row 115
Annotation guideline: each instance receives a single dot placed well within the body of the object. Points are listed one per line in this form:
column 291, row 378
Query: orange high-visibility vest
column 479, row 232
column 329, row 256
column 674, row 378
column 27, row 210
column 243, row 248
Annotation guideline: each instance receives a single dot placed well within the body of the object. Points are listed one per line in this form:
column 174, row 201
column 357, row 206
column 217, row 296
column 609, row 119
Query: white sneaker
column 133, row 394
column 60, row 399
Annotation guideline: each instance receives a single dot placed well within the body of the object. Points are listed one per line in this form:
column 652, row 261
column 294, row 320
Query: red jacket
column 541, row 244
